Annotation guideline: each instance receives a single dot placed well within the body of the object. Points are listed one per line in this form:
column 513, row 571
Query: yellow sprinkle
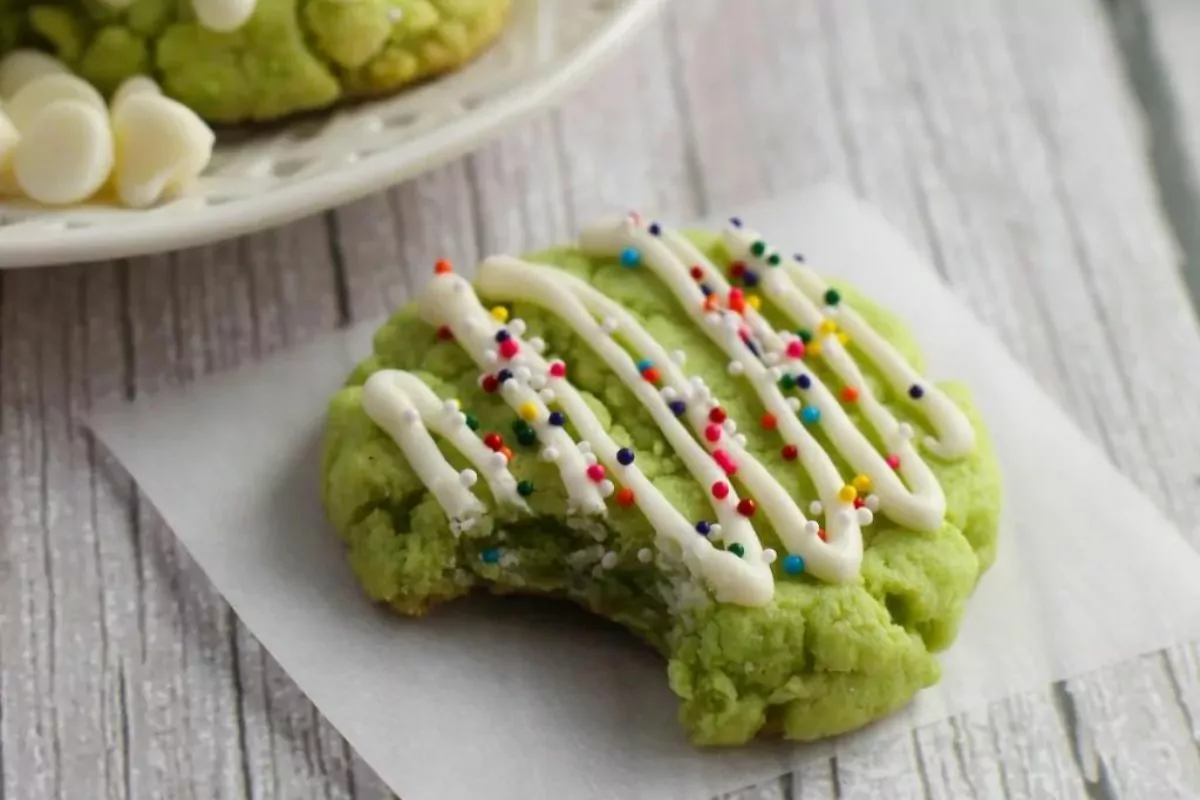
column 528, row 411
column 500, row 314
column 813, row 349
column 862, row 483
column 754, row 301
column 843, row 337
column 827, row 326
column 847, row 493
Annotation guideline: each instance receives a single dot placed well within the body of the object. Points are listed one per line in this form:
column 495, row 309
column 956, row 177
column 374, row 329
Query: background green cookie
column 291, row 56
column 820, row 659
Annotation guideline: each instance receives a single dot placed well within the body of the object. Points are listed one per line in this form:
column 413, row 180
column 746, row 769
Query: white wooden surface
column 1002, row 135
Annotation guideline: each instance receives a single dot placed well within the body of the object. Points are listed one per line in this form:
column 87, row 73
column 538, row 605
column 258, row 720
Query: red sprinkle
column 490, row 383
column 717, row 415
column 443, row 266
column 859, row 502
column 650, row 375
column 720, row 490
column 769, row 422
column 697, row 273
column 746, row 507
column 509, row 348
column 789, row 452
column 725, row 462
column 893, row 461
column 558, row 369
column 822, row 535
column 493, row 441
column 737, row 269
column 737, row 300
column 444, row 333
column 625, row 496
column 795, row 349
column 595, row 473
column 712, row 433
column 849, row 394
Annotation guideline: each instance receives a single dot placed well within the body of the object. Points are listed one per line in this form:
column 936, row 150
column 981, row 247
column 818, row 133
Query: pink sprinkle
column 725, row 462
column 635, row 218
column 595, row 473
column 795, row 349
column 720, row 490
column 712, row 433
column 558, row 369
column 893, row 461
column 509, row 348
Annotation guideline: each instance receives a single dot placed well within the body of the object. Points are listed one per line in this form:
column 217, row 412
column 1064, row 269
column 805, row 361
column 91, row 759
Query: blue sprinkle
column 625, row 456
column 557, row 418
column 916, row 392
column 753, row 348
column 678, row 407
column 735, row 222
column 504, row 375
column 490, row 556
column 703, row 528
column 799, row 258
column 811, row 415
column 644, row 364
column 501, row 335
column 793, row 564
column 750, row 279
column 803, row 381
column 654, row 229
column 706, row 289
column 630, row 258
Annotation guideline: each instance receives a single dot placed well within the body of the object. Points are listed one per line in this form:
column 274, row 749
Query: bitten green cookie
column 285, row 57
column 694, row 436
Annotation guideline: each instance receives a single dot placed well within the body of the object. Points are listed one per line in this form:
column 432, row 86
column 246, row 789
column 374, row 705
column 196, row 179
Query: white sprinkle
column 550, row 454
column 589, row 458
column 812, row 528
column 794, row 403
column 497, row 462
column 714, row 532
column 491, row 356
column 668, row 393
column 771, row 357
column 832, row 311
column 610, row 560
column 872, row 502
column 409, row 416
column 509, row 560
column 740, row 439
column 698, row 382
column 645, row 556
column 689, row 392
column 537, row 380
column 460, row 419
column 516, row 326
column 606, row 488
column 769, row 556
column 815, row 508
column 712, row 318
column 736, row 368
column 865, row 516
column 523, row 374
column 547, row 395
column 776, row 373
column 468, row 477
column 679, row 357
column 450, row 406
column 609, row 325
column 730, row 426
column 904, row 430
column 537, row 344
column 585, row 447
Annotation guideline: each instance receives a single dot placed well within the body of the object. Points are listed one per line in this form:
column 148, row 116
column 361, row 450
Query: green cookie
column 588, row 451
column 291, row 56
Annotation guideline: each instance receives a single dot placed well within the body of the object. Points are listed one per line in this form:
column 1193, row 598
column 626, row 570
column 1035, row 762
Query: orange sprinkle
column 443, row 266
column 506, row 452
column 849, row 394
column 625, row 496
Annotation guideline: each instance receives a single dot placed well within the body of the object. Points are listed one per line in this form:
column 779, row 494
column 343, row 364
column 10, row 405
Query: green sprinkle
column 758, row 248
column 832, row 297
column 519, row 425
column 773, row 259
column 737, row 550
column 805, row 335
column 788, row 381
column 525, row 488
column 472, row 421
column 527, row 437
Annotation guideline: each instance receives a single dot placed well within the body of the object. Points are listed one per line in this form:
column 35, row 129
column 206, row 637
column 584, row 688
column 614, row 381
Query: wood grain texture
column 1003, row 136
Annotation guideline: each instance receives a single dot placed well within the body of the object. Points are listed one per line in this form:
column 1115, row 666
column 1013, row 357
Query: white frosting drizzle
column 402, row 405
column 712, row 451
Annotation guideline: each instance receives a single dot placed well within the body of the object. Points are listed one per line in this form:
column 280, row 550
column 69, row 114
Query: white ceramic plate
column 311, row 165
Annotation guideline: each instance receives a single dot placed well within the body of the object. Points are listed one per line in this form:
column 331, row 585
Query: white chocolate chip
column 645, row 556
column 21, row 66
column 65, row 154
column 222, row 16
column 138, row 84
column 162, row 147
column 37, row 94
